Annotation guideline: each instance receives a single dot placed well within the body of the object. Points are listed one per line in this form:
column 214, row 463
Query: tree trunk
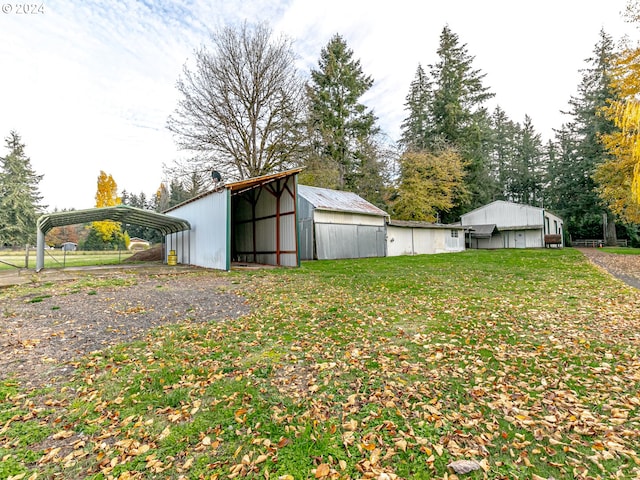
column 611, row 239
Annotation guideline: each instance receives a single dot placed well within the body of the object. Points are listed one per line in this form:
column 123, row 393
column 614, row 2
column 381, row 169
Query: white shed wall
column 419, row 241
column 207, row 245
column 399, row 241
column 523, row 238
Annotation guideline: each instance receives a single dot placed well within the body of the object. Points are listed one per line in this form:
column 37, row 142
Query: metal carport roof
column 166, row 224
column 121, row 213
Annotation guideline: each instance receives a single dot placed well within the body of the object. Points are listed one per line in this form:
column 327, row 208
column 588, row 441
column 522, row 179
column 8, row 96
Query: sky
column 89, row 84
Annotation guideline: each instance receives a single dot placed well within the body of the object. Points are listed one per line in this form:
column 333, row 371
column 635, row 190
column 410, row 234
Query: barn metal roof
column 121, row 213
column 337, row 200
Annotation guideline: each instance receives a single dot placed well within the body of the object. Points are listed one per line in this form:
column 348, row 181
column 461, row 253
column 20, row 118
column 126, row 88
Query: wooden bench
column 553, row 239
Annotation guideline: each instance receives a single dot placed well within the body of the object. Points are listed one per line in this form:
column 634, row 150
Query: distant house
column 136, row 243
column 335, row 224
column 69, row 247
column 417, row 238
column 503, row 224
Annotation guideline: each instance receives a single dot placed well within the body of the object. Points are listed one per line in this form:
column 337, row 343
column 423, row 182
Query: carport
column 166, row 224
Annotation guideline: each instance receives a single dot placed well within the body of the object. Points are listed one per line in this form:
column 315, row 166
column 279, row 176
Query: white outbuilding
column 503, row 224
column 418, row 238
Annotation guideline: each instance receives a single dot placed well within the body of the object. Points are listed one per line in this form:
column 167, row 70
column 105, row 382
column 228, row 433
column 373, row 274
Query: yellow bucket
column 172, row 259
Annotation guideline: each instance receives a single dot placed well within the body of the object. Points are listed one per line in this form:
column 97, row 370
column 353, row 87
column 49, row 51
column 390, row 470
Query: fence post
column 26, row 257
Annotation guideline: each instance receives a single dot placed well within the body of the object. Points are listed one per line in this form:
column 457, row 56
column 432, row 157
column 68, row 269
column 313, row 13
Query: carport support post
column 40, row 250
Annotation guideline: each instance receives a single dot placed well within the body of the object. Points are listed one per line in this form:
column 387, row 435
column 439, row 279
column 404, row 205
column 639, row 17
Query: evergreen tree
column 502, row 152
column 140, row 201
column 19, row 195
column 416, row 127
column 177, row 193
column 458, row 116
column 581, row 150
column 527, row 169
column 341, row 129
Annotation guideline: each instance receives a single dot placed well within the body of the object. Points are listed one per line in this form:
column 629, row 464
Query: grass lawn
column 58, row 258
column 525, row 361
column 623, row 250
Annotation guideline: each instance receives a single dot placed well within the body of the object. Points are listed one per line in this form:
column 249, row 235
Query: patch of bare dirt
column 623, row 267
column 153, row 254
column 42, row 330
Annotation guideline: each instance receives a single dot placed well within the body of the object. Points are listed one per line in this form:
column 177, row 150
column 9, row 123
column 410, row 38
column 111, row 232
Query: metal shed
column 252, row 221
column 417, row 238
column 503, row 224
column 336, row 224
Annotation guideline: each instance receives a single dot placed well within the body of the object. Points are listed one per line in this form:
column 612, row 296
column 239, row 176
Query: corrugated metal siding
column 305, row 229
column 207, row 245
column 504, row 214
column 288, row 237
column 349, row 241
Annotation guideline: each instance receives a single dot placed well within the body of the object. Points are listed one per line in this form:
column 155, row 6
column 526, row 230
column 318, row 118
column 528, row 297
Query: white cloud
column 89, row 85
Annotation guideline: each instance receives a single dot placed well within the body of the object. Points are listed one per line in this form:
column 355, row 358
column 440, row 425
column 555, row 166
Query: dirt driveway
column 43, row 327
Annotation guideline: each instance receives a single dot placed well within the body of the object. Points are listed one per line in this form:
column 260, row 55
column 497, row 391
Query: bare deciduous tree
column 241, row 106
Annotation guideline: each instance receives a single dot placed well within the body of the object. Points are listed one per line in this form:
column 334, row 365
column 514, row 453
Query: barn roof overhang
column 166, row 224
column 482, row 231
column 241, row 186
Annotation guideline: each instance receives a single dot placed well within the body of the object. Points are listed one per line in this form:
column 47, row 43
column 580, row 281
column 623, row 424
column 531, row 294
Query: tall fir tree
column 342, row 130
column 459, row 116
column 19, row 195
column 502, row 151
column 416, row 127
column 527, row 167
column 581, row 151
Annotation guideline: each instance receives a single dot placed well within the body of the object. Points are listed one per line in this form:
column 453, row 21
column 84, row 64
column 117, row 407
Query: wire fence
column 59, row 258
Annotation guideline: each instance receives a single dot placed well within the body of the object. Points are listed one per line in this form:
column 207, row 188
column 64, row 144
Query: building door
column 520, row 240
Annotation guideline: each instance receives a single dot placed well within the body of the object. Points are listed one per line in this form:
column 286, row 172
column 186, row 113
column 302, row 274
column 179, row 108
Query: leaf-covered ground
column 524, row 363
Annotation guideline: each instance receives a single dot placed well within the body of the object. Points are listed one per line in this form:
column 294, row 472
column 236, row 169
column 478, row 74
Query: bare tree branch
column 242, row 105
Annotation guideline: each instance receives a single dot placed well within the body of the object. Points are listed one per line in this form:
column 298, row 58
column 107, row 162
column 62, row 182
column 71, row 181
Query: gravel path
column 623, row 267
column 44, row 328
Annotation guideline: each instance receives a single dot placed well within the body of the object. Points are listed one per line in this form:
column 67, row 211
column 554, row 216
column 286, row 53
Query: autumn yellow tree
column 619, row 177
column 430, row 183
column 107, row 196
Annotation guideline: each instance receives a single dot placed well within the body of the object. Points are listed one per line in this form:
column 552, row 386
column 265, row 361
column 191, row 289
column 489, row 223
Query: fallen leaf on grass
column 322, row 470
column 464, row 466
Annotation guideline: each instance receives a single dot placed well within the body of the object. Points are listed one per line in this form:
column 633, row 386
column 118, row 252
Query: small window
column 454, row 233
